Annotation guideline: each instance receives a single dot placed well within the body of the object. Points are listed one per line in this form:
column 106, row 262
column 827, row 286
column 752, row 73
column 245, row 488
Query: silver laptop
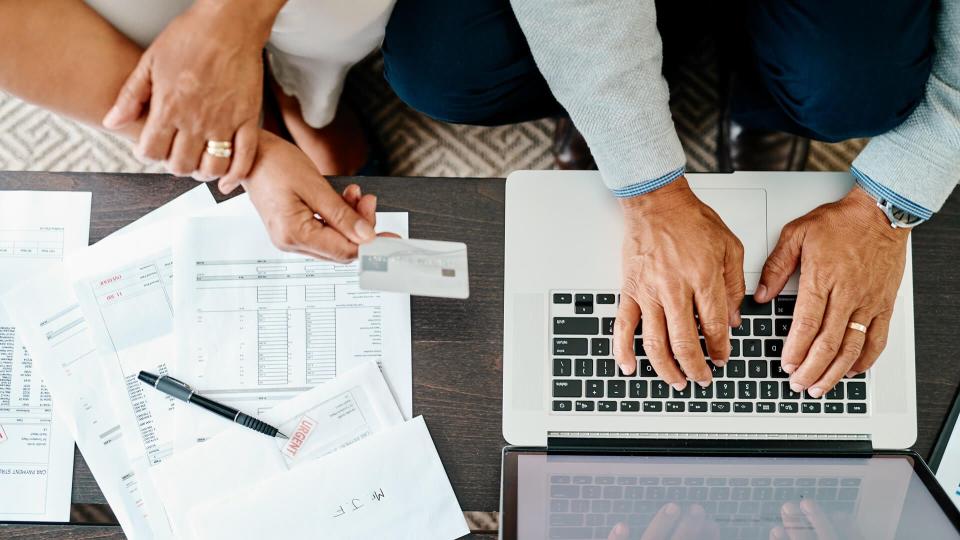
column 563, row 235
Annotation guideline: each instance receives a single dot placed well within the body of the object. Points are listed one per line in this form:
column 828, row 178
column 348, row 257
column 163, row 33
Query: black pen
column 182, row 391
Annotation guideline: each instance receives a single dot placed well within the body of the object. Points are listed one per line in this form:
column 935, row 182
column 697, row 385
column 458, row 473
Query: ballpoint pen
column 180, row 390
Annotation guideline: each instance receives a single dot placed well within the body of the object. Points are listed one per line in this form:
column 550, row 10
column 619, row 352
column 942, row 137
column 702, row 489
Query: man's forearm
column 603, row 60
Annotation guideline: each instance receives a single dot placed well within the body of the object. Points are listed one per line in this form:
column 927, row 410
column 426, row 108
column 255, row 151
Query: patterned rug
column 34, row 139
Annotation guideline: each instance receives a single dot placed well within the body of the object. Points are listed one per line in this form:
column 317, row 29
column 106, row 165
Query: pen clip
column 174, row 380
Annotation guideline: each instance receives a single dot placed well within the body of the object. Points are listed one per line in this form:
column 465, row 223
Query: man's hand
column 201, row 80
column 851, row 262
column 289, row 193
column 806, row 520
column 678, row 259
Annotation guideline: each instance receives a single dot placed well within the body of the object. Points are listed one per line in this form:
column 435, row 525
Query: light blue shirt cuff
column 642, row 188
column 880, row 191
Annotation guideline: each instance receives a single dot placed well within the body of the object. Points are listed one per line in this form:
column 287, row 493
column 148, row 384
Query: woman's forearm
column 61, row 55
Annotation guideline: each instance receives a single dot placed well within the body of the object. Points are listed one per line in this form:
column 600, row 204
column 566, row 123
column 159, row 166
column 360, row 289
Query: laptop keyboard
column 584, row 506
column 586, row 380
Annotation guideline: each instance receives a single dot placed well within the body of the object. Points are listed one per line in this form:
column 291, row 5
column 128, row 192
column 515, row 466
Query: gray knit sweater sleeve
column 917, row 164
column 602, row 60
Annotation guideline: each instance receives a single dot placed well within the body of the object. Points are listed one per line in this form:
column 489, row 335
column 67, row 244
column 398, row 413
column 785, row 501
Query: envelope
column 389, row 485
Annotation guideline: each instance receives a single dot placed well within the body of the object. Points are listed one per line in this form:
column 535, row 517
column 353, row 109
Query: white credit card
column 418, row 267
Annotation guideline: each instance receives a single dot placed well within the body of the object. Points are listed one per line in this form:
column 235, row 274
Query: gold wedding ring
column 220, row 149
column 858, row 327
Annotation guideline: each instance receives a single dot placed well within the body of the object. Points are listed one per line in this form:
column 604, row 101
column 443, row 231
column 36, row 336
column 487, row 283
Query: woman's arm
column 61, row 55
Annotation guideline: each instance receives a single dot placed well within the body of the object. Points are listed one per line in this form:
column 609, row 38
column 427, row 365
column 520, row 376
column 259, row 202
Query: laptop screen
column 685, row 497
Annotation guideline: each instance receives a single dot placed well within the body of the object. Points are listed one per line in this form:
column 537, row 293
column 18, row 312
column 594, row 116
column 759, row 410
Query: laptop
column 562, row 391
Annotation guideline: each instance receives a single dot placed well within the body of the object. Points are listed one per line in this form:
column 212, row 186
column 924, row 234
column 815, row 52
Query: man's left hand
column 851, row 262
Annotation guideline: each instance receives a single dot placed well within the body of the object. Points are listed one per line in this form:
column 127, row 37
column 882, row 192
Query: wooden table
column 457, row 345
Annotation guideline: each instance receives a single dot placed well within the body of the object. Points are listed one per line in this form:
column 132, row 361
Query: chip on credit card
column 417, row 267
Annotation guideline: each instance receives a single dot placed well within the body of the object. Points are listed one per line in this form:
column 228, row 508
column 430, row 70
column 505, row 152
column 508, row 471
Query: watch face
column 898, row 216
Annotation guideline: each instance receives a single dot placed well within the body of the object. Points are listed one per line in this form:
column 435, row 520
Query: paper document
column 257, row 326
column 36, row 450
column 389, row 485
column 46, row 310
column 318, row 422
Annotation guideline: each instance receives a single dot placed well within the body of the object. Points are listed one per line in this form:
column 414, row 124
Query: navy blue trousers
column 825, row 69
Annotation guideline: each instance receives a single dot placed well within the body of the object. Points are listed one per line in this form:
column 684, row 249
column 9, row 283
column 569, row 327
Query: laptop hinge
column 712, row 443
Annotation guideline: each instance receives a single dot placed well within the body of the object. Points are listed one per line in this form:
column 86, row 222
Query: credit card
column 418, row 267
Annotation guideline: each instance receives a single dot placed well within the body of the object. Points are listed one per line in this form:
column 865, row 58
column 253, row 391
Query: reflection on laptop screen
column 581, row 497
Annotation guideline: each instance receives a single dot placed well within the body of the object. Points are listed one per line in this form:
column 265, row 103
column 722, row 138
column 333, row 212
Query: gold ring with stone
column 858, row 327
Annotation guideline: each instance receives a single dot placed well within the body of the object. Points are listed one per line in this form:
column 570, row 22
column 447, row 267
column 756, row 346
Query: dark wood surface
column 457, row 347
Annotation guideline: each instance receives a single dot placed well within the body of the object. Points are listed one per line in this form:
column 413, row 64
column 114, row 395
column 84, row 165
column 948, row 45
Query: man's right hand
column 678, row 259
column 288, row 192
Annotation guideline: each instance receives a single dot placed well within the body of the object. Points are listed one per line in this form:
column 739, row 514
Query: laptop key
column 567, row 388
column 747, row 389
column 659, row 389
column 757, row 369
column 783, row 306
column 638, row 345
column 769, row 390
column 583, row 309
column 617, row 388
column 725, row 389
column 629, row 406
column 594, row 389
column 856, row 390
column 763, row 327
column 576, row 326
column 583, row 298
column 809, row 407
column 776, row 370
column 606, row 298
column 561, row 367
column 685, row 393
column 638, row 389
column 606, row 326
column 646, row 368
column 701, row 392
column 773, row 348
column 787, row 392
column 743, row 329
column 697, row 406
column 600, row 346
column 583, row 367
column 833, row 407
column 781, row 327
column 750, row 307
column 857, row 408
column 766, row 407
column 561, row 406
column 836, row 392
column 734, row 348
column 570, row 533
column 606, row 367
column 720, row 406
column 752, row 348
column 570, row 346
column 789, row 407
column 743, row 407
column 737, row 369
column 716, row 371
column 562, row 298
column 607, row 406
column 675, row 406
column 652, row 406
column 584, row 406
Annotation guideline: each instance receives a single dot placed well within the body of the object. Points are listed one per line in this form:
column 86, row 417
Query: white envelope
column 389, row 485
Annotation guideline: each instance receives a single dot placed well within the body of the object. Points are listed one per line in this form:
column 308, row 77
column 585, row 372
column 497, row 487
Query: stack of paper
column 196, row 290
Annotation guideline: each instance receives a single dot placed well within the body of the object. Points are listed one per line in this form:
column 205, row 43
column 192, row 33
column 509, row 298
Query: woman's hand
column 289, row 194
column 201, row 80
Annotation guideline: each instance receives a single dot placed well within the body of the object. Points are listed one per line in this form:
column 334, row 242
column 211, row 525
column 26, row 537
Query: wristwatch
column 899, row 218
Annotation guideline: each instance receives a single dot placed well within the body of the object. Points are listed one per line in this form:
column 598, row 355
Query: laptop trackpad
column 745, row 213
